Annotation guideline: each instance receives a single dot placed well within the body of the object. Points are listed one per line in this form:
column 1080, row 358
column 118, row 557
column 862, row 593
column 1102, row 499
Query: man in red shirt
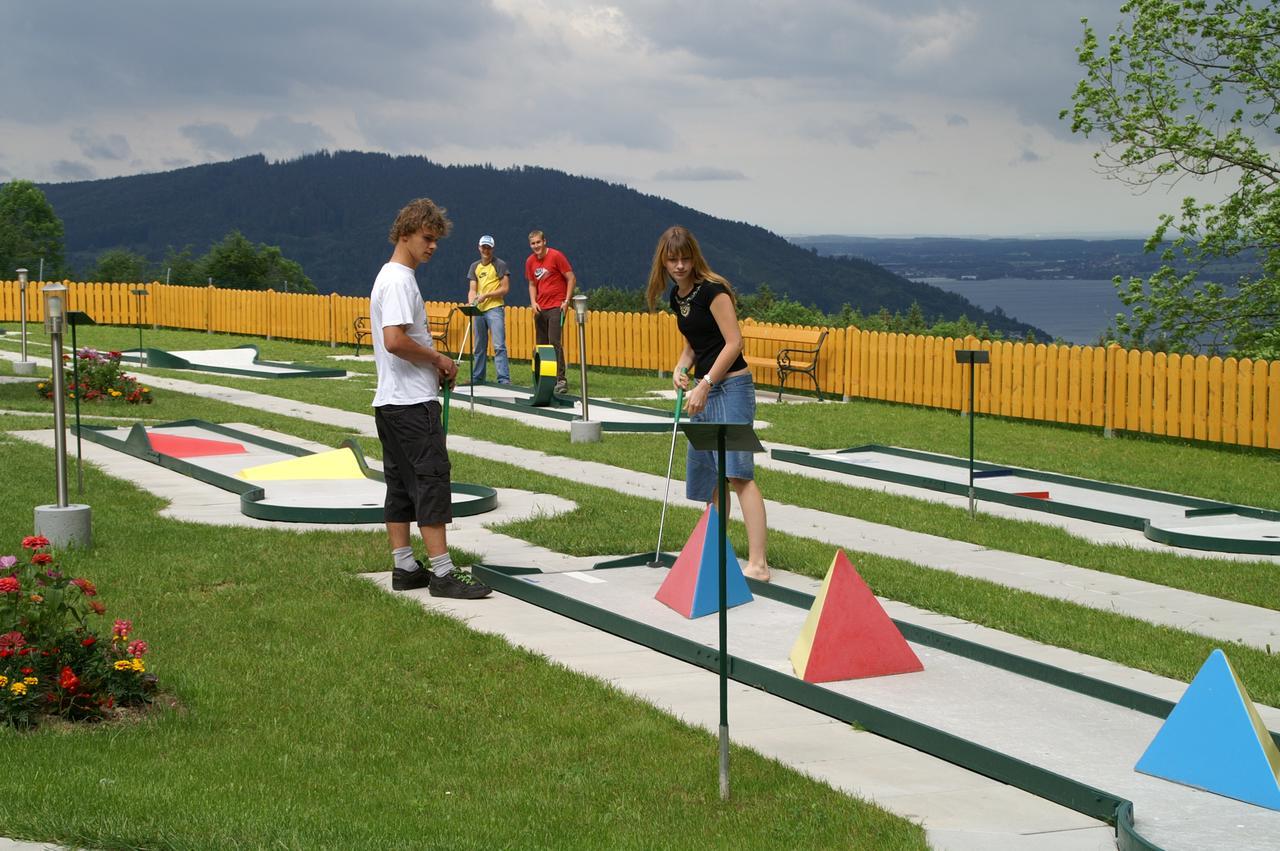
column 551, row 283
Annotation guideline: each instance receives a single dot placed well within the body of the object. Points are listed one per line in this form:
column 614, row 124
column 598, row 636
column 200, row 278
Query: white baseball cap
column 486, row 240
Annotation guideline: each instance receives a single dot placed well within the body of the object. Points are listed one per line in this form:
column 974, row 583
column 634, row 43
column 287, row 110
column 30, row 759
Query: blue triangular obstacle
column 706, row 593
column 1215, row 740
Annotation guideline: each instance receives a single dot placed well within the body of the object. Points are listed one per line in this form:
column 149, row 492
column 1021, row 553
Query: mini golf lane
column 1066, row 737
column 275, row 480
column 242, row 360
column 1180, row 521
column 613, row 416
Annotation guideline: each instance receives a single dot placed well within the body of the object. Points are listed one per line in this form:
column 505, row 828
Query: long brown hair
column 676, row 241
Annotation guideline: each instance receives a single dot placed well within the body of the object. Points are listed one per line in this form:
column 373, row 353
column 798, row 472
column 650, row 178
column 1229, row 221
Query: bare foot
column 760, row 574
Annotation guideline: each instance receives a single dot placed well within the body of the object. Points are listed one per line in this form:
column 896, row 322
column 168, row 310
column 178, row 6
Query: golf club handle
column 444, row 417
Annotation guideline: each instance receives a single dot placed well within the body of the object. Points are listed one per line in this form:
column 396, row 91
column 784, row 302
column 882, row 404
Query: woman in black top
column 704, row 305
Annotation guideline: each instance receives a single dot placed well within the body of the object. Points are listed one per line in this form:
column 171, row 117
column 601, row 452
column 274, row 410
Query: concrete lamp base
column 584, row 431
column 24, row 367
column 65, row 526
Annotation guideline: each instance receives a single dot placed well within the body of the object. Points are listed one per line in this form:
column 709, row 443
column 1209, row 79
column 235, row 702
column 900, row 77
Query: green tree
column 29, row 231
column 120, row 265
column 236, row 263
column 180, row 267
column 1191, row 88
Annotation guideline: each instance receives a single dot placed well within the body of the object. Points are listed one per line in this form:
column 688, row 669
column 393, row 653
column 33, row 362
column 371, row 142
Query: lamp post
column 63, row 524
column 140, row 292
column 23, row 366
column 583, row 430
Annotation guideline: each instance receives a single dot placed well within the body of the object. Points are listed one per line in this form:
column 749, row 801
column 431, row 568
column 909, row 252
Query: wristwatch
column 707, row 380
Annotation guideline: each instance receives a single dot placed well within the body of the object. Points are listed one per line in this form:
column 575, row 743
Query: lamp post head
column 22, row 279
column 55, row 295
column 580, row 307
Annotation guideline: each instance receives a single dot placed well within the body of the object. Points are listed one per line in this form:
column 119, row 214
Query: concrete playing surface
column 241, row 360
column 1163, row 514
column 1080, row 737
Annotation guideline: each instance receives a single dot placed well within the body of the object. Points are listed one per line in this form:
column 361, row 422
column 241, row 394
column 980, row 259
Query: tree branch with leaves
column 1191, row 89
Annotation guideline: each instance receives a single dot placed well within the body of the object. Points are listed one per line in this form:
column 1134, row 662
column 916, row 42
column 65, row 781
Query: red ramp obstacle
column 1215, row 740
column 692, row 586
column 181, row 446
column 847, row 635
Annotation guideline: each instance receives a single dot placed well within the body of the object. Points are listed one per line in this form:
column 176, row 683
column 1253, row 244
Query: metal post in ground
column 23, row 366
column 972, row 357
column 583, row 430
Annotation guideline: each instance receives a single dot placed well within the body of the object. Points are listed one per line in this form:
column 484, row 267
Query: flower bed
column 99, row 377
column 53, row 662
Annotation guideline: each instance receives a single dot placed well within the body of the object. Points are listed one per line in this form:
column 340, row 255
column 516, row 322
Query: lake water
column 1075, row 310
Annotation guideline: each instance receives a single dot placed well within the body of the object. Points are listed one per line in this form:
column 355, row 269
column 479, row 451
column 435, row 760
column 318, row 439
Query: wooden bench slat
column 797, row 343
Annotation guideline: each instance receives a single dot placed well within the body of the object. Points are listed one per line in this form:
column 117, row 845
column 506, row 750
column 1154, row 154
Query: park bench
column 799, row 354
column 439, row 330
column 360, row 330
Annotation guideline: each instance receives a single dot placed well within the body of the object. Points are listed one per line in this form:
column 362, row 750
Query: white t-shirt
column 396, row 301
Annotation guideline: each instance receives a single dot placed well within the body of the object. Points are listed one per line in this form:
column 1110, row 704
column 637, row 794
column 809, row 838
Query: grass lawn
column 274, row 647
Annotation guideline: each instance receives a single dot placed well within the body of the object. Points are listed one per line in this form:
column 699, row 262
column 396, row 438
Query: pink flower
column 137, row 648
column 7, row 562
column 10, row 585
column 35, row 542
column 121, row 629
column 12, row 639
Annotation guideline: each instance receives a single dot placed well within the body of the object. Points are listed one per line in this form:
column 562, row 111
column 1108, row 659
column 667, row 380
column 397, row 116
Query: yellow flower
column 115, row 392
column 123, row 665
column 36, row 598
column 31, row 681
column 4, row 681
column 18, row 688
column 138, row 666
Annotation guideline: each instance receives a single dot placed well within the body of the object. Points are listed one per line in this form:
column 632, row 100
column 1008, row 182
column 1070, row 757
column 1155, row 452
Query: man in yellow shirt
column 487, row 284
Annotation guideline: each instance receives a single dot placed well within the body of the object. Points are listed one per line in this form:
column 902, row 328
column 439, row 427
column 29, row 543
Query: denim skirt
column 731, row 401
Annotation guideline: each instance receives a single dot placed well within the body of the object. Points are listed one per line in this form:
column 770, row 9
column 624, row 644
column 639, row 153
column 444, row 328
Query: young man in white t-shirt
column 407, row 410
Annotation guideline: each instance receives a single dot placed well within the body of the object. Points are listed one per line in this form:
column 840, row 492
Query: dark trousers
column 547, row 330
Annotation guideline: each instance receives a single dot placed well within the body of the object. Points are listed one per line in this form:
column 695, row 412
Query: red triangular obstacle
column 178, row 446
column 847, row 634
column 692, row 587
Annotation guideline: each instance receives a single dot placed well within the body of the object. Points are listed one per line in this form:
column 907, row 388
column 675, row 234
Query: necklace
column 682, row 301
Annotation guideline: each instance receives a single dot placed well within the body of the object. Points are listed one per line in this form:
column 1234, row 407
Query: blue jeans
column 731, row 401
column 492, row 319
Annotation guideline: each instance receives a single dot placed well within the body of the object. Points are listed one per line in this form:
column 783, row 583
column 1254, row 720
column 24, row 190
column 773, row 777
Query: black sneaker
column 561, row 388
column 407, row 580
column 459, row 585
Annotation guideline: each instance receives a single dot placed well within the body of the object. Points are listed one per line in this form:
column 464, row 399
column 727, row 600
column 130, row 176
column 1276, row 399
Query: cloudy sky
column 813, row 116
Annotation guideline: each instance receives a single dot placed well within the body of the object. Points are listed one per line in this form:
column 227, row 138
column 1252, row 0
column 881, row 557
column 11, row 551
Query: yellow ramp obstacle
column 334, row 464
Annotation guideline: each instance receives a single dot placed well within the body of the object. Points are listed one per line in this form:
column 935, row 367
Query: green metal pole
column 724, row 620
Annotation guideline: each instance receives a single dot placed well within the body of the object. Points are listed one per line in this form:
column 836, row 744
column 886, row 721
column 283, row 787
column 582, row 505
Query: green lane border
column 477, row 499
column 161, row 359
column 524, row 407
column 1194, row 506
column 1073, row 794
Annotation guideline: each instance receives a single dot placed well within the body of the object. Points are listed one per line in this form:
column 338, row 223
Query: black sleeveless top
column 698, row 325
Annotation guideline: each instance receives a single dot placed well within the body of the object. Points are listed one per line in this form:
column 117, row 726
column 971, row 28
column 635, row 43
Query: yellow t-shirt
column 488, row 277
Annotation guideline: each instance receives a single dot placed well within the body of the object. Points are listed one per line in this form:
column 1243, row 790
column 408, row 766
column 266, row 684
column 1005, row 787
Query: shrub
column 99, row 377
column 52, row 661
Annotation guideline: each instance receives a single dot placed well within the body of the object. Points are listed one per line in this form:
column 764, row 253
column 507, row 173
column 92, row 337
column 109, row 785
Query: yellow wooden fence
column 1197, row 397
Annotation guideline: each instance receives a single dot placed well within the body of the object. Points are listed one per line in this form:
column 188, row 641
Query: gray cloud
column 68, row 170
column 956, row 120
column 98, row 147
column 700, row 173
column 1026, row 155
column 868, row 133
column 276, row 134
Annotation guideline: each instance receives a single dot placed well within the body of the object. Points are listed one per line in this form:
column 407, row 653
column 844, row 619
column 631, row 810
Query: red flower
column 28, row 670
column 98, row 608
column 89, row 642
column 137, row 648
column 41, row 558
column 10, row 585
column 26, row 651
column 12, row 639
column 35, row 542
column 68, row 680
column 5, row 653
column 89, row 589
column 121, row 629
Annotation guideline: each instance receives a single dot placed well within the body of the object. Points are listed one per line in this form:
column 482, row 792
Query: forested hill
column 331, row 212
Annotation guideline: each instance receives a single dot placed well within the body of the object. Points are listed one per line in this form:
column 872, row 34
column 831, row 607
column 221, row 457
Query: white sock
column 404, row 559
column 442, row 565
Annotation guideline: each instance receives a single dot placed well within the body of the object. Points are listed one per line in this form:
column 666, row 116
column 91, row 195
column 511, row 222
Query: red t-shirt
column 549, row 275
